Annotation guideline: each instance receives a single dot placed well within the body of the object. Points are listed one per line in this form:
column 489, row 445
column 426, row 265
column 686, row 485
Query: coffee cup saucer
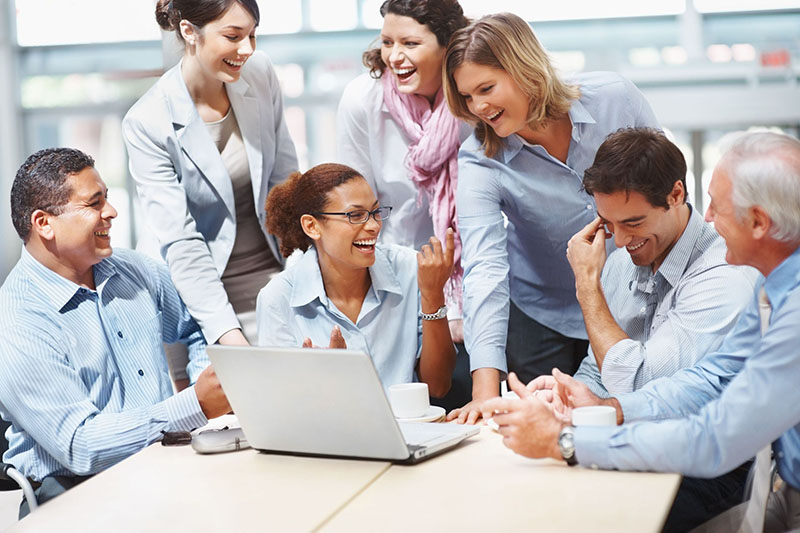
column 434, row 413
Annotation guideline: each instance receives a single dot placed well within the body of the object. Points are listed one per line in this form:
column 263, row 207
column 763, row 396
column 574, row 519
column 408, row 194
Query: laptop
column 325, row 402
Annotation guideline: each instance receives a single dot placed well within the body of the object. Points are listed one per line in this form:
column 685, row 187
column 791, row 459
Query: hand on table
column 469, row 414
column 586, row 251
column 337, row 340
column 529, row 426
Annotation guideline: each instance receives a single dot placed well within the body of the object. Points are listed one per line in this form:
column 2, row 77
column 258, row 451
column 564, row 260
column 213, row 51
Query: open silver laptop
column 322, row 402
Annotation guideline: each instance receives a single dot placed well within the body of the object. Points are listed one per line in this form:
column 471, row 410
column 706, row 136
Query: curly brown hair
column 299, row 195
column 442, row 17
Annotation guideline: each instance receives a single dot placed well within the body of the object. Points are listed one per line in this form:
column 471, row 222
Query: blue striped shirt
column 708, row 419
column 545, row 206
column 83, row 376
column 673, row 317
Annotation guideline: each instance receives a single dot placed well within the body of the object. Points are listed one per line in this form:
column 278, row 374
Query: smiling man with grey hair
column 707, row 419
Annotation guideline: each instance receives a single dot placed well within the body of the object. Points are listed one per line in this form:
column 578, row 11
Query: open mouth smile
column 365, row 245
column 235, row 64
column 404, row 73
column 634, row 247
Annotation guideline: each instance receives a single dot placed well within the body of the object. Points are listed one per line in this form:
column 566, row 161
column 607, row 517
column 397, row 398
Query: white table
column 480, row 486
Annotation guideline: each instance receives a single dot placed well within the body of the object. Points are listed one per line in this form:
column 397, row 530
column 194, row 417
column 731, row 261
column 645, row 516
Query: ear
column 310, row 227
column 40, row 225
column 759, row 221
column 188, row 31
column 677, row 195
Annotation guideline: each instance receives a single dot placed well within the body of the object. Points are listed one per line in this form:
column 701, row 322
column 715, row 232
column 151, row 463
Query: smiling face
column 222, row 46
column 80, row 234
column 647, row 232
column 412, row 54
column 492, row 95
column 338, row 242
column 722, row 213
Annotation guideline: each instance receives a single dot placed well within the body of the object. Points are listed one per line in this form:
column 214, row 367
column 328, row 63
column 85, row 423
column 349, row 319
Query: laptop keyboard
column 419, row 435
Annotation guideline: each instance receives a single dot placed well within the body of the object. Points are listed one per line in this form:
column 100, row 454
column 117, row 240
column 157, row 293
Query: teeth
column 101, row 233
column 635, row 247
column 234, row 63
column 402, row 71
column 494, row 115
column 370, row 242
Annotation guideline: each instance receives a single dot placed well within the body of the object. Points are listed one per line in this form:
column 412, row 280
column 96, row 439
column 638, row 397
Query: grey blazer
column 185, row 191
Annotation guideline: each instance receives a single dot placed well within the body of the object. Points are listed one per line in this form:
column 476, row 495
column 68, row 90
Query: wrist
column 485, row 383
column 431, row 303
column 588, row 285
column 613, row 402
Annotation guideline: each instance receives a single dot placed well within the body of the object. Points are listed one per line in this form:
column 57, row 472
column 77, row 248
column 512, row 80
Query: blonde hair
column 505, row 41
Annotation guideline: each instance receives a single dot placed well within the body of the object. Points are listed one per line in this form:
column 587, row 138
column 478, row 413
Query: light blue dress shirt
column 674, row 316
column 83, row 376
column 543, row 201
column 294, row 306
column 714, row 416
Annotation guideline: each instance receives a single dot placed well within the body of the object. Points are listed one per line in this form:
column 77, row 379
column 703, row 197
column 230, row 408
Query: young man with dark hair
column 83, row 376
column 666, row 297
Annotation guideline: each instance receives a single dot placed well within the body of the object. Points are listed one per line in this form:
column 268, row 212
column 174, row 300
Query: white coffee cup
column 409, row 400
column 594, row 415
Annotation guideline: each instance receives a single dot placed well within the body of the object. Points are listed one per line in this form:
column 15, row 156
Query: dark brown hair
column 641, row 160
column 442, row 17
column 302, row 194
column 169, row 13
column 41, row 183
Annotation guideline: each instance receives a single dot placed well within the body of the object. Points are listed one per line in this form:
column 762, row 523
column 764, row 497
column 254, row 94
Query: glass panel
column 81, row 89
column 574, row 9
column 53, row 22
column 281, row 17
column 326, row 15
column 720, row 6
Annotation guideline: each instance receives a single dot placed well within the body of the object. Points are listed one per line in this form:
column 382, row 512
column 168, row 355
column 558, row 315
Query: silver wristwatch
column 566, row 444
column 438, row 315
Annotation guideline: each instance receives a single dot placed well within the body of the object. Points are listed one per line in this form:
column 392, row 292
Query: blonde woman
column 535, row 134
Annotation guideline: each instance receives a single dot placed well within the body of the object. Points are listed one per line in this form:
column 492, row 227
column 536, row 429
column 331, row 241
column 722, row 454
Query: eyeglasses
column 361, row 216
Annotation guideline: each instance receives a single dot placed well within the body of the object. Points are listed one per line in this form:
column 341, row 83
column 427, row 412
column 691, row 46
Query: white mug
column 409, row 400
column 594, row 415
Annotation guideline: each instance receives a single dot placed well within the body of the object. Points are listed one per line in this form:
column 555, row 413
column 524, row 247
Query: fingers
column 496, row 405
column 452, row 415
column 599, row 240
column 517, row 386
column 337, row 339
column 450, row 240
column 307, row 343
column 473, row 416
column 543, row 382
column 588, row 231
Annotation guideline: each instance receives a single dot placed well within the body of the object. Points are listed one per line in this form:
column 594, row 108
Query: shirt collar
column 578, row 114
column 781, row 280
column 58, row 289
column 381, row 274
column 674, row 265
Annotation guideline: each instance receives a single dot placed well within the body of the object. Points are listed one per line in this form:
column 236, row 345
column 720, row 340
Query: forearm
column 603, row 330
column 485, row 383
column 438, row 355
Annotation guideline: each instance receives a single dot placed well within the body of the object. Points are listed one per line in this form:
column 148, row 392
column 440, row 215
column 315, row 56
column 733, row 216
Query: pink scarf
column 432, row 161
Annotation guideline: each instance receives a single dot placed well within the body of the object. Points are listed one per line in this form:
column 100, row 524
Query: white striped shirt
column 673, row 317
column 83, row 376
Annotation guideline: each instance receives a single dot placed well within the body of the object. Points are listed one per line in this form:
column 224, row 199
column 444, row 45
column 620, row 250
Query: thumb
column 450, row 242
column 307, row 342
column 564, row 385
column 599, row 237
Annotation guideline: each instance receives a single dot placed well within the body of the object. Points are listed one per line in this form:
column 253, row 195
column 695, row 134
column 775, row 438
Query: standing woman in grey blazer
column 206, row 144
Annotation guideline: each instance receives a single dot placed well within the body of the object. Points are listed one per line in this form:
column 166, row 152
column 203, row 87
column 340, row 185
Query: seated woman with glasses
column 346, row 291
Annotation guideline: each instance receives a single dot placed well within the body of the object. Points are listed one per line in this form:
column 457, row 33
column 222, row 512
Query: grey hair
column 764, row 169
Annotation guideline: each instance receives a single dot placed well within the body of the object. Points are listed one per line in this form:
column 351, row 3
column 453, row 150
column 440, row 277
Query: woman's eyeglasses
column 361, row 216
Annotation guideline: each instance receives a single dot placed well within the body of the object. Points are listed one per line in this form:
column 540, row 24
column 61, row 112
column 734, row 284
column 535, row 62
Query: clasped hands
column 531, row 424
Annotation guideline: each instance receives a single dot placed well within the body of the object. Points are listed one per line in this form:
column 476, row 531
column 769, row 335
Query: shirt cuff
column 184, row 412
column 219, row 323
column 592, row 446
column 633, row 408
column 620, row 365
column 488, row 358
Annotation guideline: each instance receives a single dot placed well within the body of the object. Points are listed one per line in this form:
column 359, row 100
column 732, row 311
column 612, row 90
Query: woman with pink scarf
column 394, row 127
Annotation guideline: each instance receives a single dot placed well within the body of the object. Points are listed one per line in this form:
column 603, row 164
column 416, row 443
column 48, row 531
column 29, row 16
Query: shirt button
column 588, row 207
column 141, row 372
column 82, row 291
column 119, row 334
column 643, row 309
